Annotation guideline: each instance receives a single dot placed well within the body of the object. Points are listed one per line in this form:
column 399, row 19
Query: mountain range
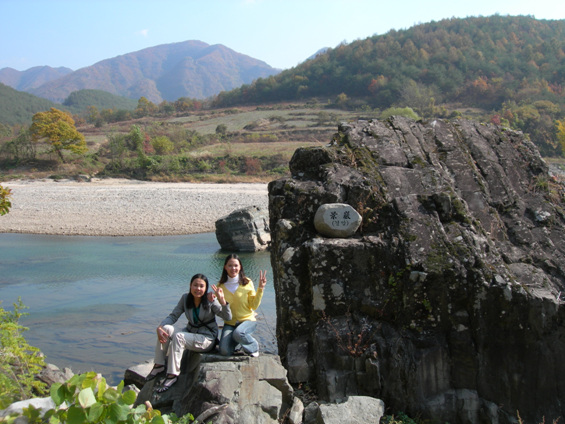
column 31, row 78
column 191, row 69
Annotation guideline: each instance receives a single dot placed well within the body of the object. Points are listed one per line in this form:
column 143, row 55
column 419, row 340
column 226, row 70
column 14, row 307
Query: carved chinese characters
column 337, row 220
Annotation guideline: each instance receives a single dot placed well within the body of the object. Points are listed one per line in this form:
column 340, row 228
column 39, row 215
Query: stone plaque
column 337, row 220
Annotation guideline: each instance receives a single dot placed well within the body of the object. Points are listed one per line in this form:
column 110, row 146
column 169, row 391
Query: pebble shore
column 116, row 207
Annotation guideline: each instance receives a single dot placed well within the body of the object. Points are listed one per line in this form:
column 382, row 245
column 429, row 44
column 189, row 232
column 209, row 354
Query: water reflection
column 94, row 302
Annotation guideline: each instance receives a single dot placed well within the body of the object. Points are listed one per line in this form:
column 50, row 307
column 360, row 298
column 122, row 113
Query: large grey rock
column 43, row 404
column 244, row 230
column 51, row 373
column 355, row 410
column 296, row 413
column 137, row 374
column 448, row 302
column 219, row 389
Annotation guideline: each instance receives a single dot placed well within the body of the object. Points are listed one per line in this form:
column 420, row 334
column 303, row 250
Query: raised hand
column 212, row 294
column 220, row 295
column 217, row 292
column 262, row 279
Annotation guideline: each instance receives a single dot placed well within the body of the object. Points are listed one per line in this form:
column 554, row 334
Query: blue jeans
column 239, row 334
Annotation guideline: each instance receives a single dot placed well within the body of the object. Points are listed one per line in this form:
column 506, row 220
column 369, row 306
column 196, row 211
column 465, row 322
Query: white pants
column 175, row 346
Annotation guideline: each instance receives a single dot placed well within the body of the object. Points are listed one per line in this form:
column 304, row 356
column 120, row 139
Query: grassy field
column 261, row 119
column 267, row 134
column 284, row 148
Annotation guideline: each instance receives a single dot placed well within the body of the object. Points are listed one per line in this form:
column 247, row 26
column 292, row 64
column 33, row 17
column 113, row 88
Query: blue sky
column 282, row 33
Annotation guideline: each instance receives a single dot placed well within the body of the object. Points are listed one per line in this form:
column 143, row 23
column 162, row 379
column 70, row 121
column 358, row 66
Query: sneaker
column 254, row 354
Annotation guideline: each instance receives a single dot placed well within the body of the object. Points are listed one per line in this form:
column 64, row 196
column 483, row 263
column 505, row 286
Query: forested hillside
column 18, row 108
column 80, row 101
column 512, row 66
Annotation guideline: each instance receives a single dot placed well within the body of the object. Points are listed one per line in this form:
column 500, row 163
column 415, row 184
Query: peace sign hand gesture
column 262, row 279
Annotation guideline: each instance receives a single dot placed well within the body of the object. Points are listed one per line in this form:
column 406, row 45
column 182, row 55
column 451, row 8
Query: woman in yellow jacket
column 240, row 294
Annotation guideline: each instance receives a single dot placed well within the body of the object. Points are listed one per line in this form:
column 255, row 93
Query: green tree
column 145, row 107
column 5, row 203
column 92, row 115
column 221, row 130
column 21, row 148
column 5, row 130
column 134, row 139
column 162, row 145
column 116, row 150
column 341, row 100
column 560, row 128
column 59, row 128
column 419, row 97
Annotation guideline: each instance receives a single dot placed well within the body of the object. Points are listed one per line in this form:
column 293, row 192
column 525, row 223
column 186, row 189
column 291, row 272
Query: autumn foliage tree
column 59, row 128
column 145, row 108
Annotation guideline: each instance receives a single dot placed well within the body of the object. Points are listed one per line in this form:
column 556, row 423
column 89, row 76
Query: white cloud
column 143, row 32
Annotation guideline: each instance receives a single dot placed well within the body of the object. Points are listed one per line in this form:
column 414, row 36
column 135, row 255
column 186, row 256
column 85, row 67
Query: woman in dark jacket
column 200, row 334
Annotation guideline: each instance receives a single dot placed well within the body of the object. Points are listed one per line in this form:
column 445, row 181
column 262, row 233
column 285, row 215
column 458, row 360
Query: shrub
column 5, row 203
column 162, row 145
column 222, row 130
column 86, row 398
column 252, row 166
column 400, row 418
column 19, row 362
column 407, row 112
column 203, row 165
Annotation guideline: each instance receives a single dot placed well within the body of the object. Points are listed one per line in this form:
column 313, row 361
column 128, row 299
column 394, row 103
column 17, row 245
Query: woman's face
column 198, row 287
column 232, row 267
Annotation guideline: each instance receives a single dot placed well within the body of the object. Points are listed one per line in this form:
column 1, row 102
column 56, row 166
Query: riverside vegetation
column 226, row 145
column 251, row 144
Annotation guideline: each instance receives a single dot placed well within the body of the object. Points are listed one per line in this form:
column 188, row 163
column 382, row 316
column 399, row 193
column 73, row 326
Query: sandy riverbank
column 116, row 207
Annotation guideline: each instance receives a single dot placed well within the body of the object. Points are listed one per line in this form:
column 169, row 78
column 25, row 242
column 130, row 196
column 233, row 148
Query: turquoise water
column 94, row 302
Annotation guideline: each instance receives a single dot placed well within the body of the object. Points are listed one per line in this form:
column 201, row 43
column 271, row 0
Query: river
column 94, row 302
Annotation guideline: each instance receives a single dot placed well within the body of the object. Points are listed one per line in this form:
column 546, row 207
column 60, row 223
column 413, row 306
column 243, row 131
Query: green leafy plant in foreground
column 19, row 362
column 5, row 203
column 86, row 398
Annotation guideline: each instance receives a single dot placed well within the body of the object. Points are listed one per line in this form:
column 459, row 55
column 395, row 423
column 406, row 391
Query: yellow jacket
column 242, row 302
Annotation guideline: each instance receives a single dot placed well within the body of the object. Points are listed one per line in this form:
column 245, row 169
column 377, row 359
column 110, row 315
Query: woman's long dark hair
column 243, row 280
column 190, row 298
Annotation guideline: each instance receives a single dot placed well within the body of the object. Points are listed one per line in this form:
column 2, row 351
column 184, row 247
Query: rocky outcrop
column 51, row 374
column 244, row 230
column 447, row 303
column 223, row 390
